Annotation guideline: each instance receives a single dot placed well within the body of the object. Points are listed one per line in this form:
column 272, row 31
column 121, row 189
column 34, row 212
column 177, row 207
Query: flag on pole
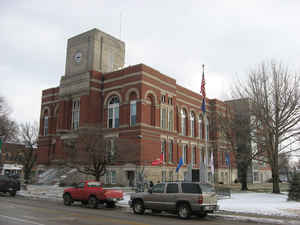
column 203, row 92
column 158, row 161
column 179, row 165
column 227, row 159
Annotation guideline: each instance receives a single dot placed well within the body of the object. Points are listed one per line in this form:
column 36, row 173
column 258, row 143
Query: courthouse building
column 137, row 102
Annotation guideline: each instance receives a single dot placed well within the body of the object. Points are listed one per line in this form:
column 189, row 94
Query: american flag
column 203, row 91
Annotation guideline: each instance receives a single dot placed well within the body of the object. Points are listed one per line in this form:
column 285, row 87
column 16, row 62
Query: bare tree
column 234, row 128
column 90, row 151
column 29, row 137
column 275, row 111
column 8, row 127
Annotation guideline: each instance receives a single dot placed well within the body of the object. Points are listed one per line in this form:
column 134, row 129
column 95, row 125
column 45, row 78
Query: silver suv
column 182, row 198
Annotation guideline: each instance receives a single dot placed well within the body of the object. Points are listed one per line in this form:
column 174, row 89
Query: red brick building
column 137, row 102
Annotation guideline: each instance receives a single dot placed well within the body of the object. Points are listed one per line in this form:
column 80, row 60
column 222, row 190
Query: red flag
column 158, row 161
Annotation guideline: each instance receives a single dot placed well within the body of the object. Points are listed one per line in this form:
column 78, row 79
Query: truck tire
column 202, row 214
column 110, row 204
column 93, row 202
column 138, row 207
column 13, row 193
column 184, row 211
column 67, row 199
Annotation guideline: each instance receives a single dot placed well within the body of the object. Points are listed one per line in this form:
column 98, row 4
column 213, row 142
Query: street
column 19, row 210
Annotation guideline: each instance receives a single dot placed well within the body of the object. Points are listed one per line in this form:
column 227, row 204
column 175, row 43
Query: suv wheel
column 110, row 205
column 184, row 211
column 12, row 193
column 67, row 199
column 202, row 214
column 92, row 202
column 138, row 207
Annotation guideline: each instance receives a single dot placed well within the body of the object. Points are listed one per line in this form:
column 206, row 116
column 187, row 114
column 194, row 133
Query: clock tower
column 93, row 50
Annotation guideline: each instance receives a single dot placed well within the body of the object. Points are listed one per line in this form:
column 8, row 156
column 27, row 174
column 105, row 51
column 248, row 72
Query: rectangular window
column 194, row 155
column 172, row 188
column 164, row 118
column 191, row 188
column 192, row 128
column 132, row 113
column 163, row 175
column 46, row 126
column 170, row 120
column 171, row 151
column 116, row 117
column 184, row 154
column 170, row 176
column 107, row 177
column 163, row 150
column 75, row 114
column 113, row 177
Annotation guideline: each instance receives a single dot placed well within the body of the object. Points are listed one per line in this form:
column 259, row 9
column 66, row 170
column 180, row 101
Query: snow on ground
column 247, row 202
column 261, row 203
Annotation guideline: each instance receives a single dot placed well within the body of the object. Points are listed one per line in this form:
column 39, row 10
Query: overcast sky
column 174, row 37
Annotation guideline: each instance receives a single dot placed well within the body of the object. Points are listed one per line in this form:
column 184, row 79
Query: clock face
column 78, row 57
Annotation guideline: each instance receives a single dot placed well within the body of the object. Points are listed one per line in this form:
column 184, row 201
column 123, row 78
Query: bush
column 294, row 191
column 62, row 184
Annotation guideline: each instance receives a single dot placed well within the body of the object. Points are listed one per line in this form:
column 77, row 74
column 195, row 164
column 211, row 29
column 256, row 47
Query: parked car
column 9, row 184
column 92, row 193
column 182, row 198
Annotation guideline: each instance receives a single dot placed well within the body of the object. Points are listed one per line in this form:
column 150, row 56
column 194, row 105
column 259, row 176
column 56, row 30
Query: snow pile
column 261, row 203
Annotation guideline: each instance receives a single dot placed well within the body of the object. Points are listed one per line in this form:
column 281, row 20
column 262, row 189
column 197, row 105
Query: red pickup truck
column 91, row 193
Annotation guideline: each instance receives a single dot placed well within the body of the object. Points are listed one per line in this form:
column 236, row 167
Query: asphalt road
column 23, row 211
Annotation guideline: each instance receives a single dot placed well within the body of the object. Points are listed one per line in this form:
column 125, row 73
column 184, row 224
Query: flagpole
column 205, row 121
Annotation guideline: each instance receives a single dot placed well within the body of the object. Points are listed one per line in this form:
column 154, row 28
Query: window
column 75, row 113
column 170, row 102
column 184, row 154
column 163, row 176
column 170, row 120
column 171, row 151
column 200, row 124
column 132, row 113
column 107, row 177
column 163, row 118
column 183, row 122
column 113, row 177
column 45, row 125
column 192, row 124
column 171, row 176
column 194, row 155
column 191, row 188
column 172, row 188
column 113, row 112
column 158, row 188
column 110, row 150
column 163, row 149
column 163, row 98
column 80, row 185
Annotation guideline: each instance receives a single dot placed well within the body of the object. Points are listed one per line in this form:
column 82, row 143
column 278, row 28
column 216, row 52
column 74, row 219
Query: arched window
column 113, row 112
column 75, row 113
column 183, row 122
column 200, row 127
column 45, row 123
column 192, row 124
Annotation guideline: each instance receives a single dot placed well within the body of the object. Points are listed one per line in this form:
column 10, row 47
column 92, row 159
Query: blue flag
column 179, row 165
column 227, row 159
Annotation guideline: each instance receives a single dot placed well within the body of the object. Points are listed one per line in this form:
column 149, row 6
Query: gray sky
column 174, row 37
